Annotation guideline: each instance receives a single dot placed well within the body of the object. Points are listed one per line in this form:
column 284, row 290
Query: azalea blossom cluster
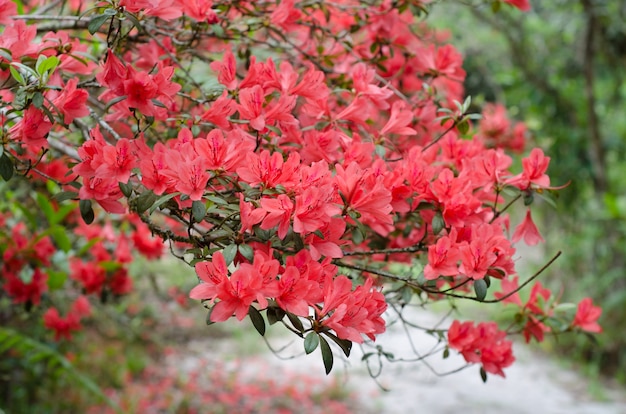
column 290, row 150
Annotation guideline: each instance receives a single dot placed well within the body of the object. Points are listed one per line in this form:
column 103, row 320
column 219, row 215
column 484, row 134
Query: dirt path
column 535, row 384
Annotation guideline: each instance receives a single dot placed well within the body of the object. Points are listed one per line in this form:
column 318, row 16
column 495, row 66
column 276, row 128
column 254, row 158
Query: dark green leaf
column 208, row 317
column 114, row 101
column 357, row 236
column 344, row 344
column 257, row 320
column 38, row 99
column 275, row 314
column 483, row 374
column 311, row 341
column 528, row 198
column 127, row 189
column 295, row 321
column 65, row 195
column 229, row 253
column 246, row 251
column 327, row 355
column 198, row 210
column 162, row 200
column 463, row 127
column 19, row 99
column 438, row 224
column 480, row 288
column 446, row 353
column 6, row 167
column 145, row 201
column 86, row 211
column 96, row 22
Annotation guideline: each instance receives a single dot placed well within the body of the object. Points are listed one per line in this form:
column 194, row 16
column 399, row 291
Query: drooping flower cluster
column 483, row 343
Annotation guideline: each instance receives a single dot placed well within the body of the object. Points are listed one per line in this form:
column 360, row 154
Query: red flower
column 8, row 8
column 523, row 5
column 72, row 102
column 62, row 327
column 294, row 290
column 443, row 258
column 587, row 316
column 278, row 213
column 483, row 343
column 32, row 129
column 26, row 291
column 528, row 231
column 226, row 70
column 213, row 274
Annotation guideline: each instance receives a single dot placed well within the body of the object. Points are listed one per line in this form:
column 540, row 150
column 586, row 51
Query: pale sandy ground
column 534, row 384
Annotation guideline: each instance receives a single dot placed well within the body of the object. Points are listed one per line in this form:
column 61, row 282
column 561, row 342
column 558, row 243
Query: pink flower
column 72, row 102
column 443, row 258
column 528, row 231
column 587, row 316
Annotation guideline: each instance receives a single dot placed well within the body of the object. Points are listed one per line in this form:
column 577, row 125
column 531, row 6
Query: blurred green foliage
column 560, row 68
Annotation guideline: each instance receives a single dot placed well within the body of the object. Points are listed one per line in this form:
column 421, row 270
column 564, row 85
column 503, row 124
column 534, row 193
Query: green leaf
column 295, row 321
column 96, row 22
column 162, row 200
column 446, row 353
column 17, row 76
column 46, row 207
column 38, row 100
column 65, row 195
column 6, row 167
column 480, row 288
column 246, row 251
column 438, row 223
column 109, row 265
column 311, row 341
column 275, row 314
column 209, row 322
column 198, row 210
column 483, row 374
column 59, row 235
column 86, row 211
column 6, row 53
column 145, row 201
column 127, row 189
column 229, row 253
column 257, row 320
column 56, row 279
column 40, row 61
column 344, row 344
column 46, row 64
column 327, row 355
column 463, row 127
column 357, row 236
column 528, row 198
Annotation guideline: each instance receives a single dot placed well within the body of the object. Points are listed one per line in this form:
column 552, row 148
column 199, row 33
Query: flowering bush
column 291, row 151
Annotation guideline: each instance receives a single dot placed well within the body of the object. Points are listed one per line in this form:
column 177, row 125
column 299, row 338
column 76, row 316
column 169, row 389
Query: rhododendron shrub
column 290, row 151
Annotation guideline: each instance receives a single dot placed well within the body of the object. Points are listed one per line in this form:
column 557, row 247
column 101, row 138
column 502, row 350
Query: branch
column 426, row 289
column 597, row 151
